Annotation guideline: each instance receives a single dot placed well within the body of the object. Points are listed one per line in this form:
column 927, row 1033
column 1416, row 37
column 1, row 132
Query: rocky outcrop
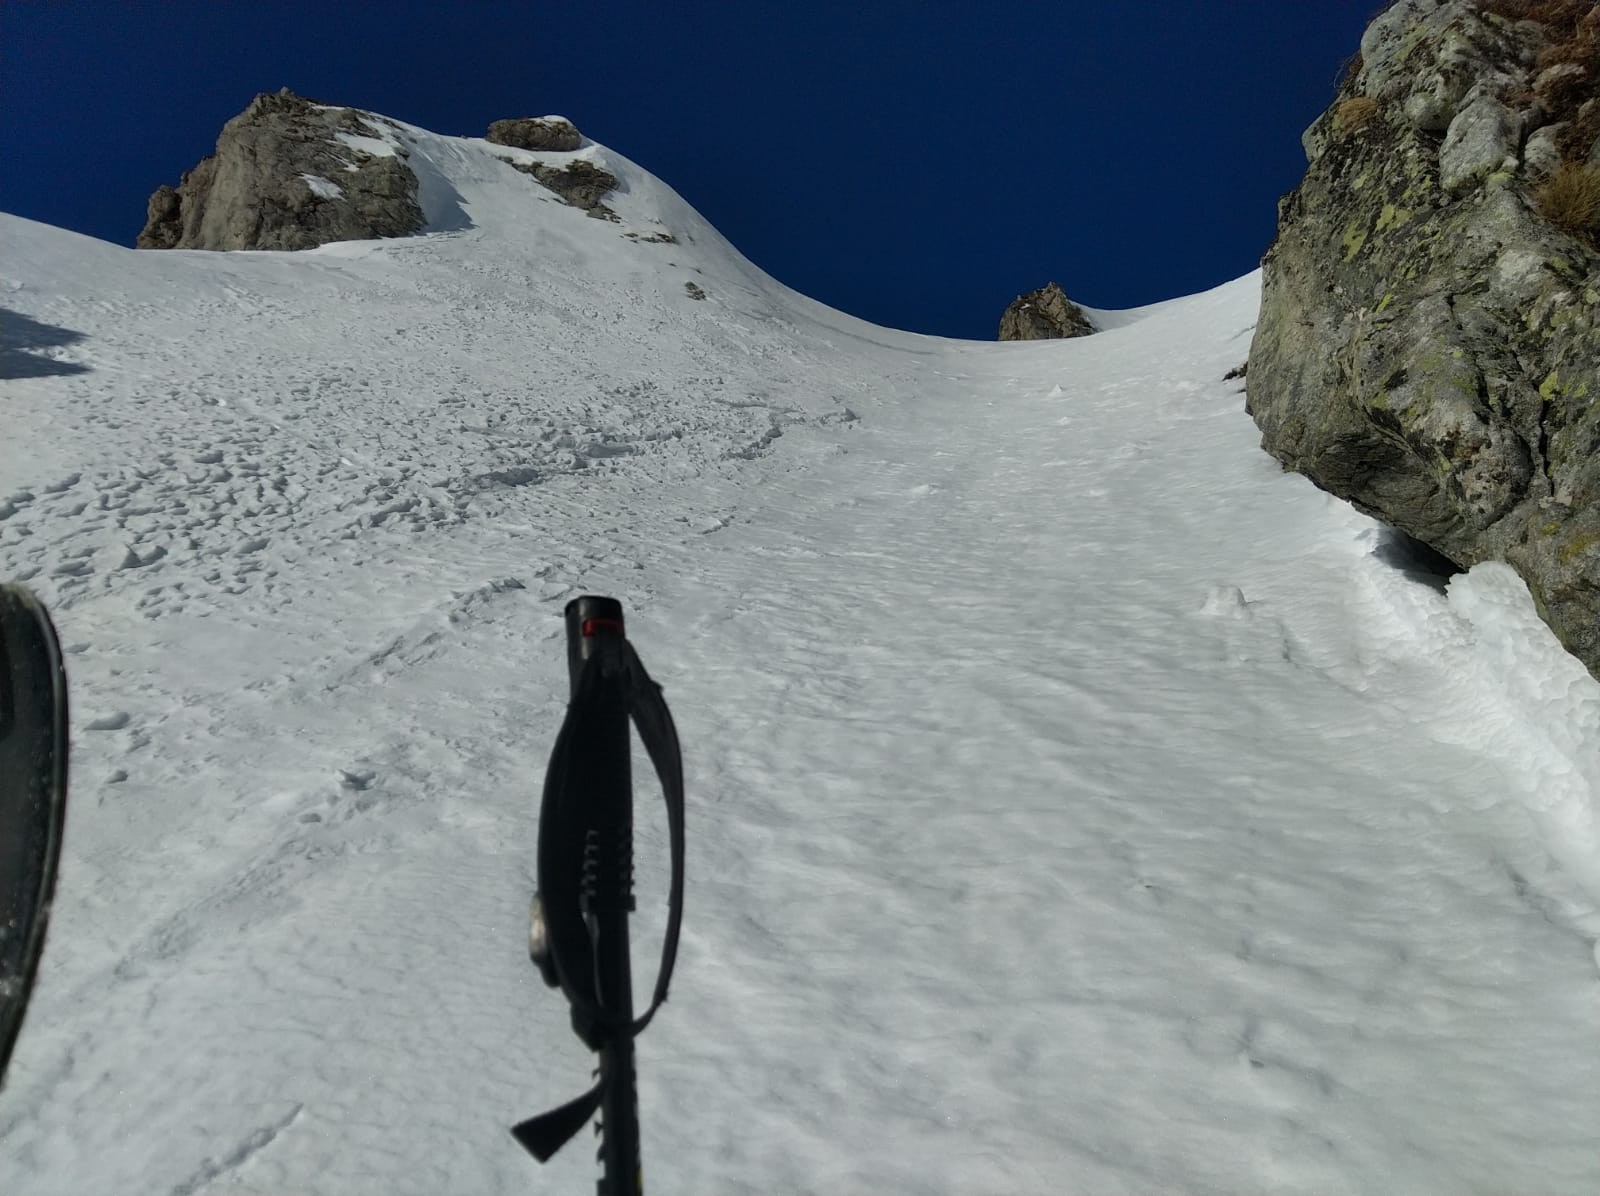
column 579, row 183
column 536, row 133
column 1045, row 314
column 1429, row 340
column 289, row 173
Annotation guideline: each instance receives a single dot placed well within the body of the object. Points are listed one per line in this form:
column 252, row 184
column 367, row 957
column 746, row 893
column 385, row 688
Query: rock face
column 1429, row 340
column 1045, row 314
column 536, row 133
column 288, row 173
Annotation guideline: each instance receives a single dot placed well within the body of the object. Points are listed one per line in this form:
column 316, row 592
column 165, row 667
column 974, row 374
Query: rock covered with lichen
column 1429, row 340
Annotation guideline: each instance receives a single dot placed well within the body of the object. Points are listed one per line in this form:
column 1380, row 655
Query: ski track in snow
column 1076, row 802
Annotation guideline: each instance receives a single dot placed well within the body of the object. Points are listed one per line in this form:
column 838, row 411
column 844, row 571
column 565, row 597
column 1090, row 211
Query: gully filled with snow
column 1076, row 802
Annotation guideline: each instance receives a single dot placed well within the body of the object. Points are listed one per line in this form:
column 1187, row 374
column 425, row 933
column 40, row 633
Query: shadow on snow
column 26, row 348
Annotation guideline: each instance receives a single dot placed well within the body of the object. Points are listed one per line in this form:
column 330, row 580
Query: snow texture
column 323, row 188
column 1077, row 803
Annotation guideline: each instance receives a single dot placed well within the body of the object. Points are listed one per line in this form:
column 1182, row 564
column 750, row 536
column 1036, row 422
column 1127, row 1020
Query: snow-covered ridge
column 466, row 187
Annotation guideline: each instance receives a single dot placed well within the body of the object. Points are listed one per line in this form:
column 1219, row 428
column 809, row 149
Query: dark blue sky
column 915, row 162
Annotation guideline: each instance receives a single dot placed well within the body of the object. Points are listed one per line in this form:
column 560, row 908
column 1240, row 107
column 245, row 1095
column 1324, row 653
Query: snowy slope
column 1077, row 803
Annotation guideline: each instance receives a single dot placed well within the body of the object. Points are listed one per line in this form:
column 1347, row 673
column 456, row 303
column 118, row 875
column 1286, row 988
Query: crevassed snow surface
column 1077, row 803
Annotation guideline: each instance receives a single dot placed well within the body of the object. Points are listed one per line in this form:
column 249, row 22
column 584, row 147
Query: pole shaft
column 595, row 628
column 610, row 906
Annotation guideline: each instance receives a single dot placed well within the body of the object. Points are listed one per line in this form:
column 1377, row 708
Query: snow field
column 1076, row 802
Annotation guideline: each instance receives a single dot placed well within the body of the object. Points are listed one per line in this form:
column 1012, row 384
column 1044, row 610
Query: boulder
column 1428, row 346
column 289, row 173
column 1045, row 314
column 536, row 133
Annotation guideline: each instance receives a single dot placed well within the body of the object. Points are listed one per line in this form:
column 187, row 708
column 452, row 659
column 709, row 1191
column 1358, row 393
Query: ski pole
column 594, row 631
column 33, row 796
column 578, row 932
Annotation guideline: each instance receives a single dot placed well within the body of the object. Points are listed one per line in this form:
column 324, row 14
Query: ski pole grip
column 591, row 620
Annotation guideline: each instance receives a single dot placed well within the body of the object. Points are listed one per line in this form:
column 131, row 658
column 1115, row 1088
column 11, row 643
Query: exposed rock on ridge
column 288, row 173
column 536, row 133
column 1429, row 339
column 579, row 183
column 1045, row 314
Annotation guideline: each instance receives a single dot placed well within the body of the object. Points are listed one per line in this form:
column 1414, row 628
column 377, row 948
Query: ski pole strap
column 547, row 1133
column 611, row 684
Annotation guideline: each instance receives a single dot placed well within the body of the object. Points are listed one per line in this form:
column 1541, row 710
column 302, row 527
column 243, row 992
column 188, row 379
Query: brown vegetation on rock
column 1570, row 199
column 1567, row 86
column 1545, row 12
column 1354, row 114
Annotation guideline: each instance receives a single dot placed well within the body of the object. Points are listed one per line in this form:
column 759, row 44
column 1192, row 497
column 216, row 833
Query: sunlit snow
column 323, row 188
column 1077, row 802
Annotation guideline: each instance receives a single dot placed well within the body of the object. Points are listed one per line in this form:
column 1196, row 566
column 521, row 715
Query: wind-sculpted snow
column 1076, row 802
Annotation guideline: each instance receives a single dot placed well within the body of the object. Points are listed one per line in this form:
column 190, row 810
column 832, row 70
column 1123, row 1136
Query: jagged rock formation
column 536, row 133
column 1045, row 314
column 288, row 173
column 1429, row 339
